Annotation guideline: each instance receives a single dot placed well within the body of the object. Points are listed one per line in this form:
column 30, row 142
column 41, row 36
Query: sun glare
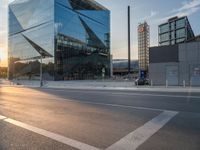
column 3, row 57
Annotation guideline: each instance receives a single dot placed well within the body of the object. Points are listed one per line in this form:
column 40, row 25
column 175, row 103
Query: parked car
column 142, row 81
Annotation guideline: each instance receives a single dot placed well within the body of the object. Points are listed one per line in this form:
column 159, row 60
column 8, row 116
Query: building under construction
column 143, row 48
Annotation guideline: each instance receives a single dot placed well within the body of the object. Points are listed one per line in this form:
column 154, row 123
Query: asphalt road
column 60, row 119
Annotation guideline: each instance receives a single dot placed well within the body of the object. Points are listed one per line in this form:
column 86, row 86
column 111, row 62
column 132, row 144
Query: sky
column 154, row 12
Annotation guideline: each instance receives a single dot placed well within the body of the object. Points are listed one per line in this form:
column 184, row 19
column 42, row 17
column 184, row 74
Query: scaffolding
column 143, row 47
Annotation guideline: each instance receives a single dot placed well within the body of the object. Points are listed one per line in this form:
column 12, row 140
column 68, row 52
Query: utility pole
column 129, row 43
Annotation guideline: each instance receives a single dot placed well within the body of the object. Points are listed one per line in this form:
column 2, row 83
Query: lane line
column 2, row 117
column 135, row 94
column 128, row 94
column 131, row 89
column 117, row 105
column 106, row 104
column 158, row 95
column 51, row 135
column 136, row 138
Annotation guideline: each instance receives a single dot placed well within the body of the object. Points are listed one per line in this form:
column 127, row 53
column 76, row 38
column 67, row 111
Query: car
column 142, row 81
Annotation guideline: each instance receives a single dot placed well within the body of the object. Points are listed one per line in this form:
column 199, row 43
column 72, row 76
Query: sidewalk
column 97, row 85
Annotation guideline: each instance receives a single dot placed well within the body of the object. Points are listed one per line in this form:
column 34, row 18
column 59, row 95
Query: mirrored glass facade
column 176, row 30
column 71, row 36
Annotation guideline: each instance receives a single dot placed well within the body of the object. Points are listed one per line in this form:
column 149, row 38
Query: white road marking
column 117, row 105
column 130, row 142
column 130, row 94
column 135, row 94
column 2, row 117
column 106, row 104
column 54, row 136
column 136, row 138
column 158, row 95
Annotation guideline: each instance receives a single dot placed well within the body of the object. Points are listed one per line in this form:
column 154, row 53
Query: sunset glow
column 3, row 56
column 3, row 33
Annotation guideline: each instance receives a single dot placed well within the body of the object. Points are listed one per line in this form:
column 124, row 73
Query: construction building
column 143, row 48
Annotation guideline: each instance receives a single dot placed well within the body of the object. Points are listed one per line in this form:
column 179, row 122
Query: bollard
column 184, row 84
column 151, row 82
column 166, row 83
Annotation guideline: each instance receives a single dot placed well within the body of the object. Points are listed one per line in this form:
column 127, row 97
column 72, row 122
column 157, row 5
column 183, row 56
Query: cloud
column 190, row 5
column 18, row 2
column 187, row 9
column 151, row 15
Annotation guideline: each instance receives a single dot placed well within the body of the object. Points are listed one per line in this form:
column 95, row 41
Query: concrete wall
column 188, row 64
column 189, row 58
column 157, row 72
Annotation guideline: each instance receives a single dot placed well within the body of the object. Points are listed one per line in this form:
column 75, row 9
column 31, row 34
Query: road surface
column 61, row 119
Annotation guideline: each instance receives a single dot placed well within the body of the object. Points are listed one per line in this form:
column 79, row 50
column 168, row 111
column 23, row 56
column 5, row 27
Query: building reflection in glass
column 73, row 36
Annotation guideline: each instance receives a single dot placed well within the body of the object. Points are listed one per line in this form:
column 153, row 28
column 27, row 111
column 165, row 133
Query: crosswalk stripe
column 51, row 135
column 133, row 140
column 2, row 117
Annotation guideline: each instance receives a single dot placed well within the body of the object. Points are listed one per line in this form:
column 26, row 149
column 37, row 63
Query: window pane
column 172, row 25
column 180, row 40
column 173, row 42
column 164, row 28
column 164, row 43
column 172, row 35
column 180, row 33
column 164, row 37
column 180, row 23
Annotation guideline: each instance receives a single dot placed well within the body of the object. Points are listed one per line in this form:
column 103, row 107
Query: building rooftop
column 173, row 19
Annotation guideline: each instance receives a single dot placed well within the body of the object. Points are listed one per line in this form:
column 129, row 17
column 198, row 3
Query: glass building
column 71, row 37
column 143, row 48
column 175, row 30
